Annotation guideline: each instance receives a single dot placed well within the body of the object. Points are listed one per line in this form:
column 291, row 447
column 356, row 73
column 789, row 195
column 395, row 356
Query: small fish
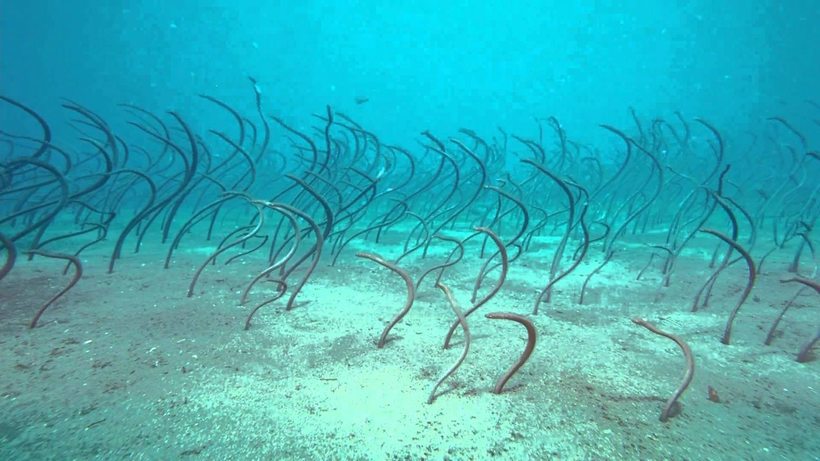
column 361, row 100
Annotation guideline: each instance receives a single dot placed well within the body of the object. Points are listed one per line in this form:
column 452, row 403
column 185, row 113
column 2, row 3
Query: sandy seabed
column 125, row 366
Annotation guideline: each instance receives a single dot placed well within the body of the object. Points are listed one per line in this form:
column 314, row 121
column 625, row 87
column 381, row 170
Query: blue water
column 451, row 65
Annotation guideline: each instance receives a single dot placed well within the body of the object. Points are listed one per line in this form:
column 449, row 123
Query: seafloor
column 125, row 366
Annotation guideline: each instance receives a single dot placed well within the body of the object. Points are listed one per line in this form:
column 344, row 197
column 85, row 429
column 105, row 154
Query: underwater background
column 384, row 230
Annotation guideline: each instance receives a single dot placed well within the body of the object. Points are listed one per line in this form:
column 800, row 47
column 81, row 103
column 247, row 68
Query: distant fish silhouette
column 361, row 100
